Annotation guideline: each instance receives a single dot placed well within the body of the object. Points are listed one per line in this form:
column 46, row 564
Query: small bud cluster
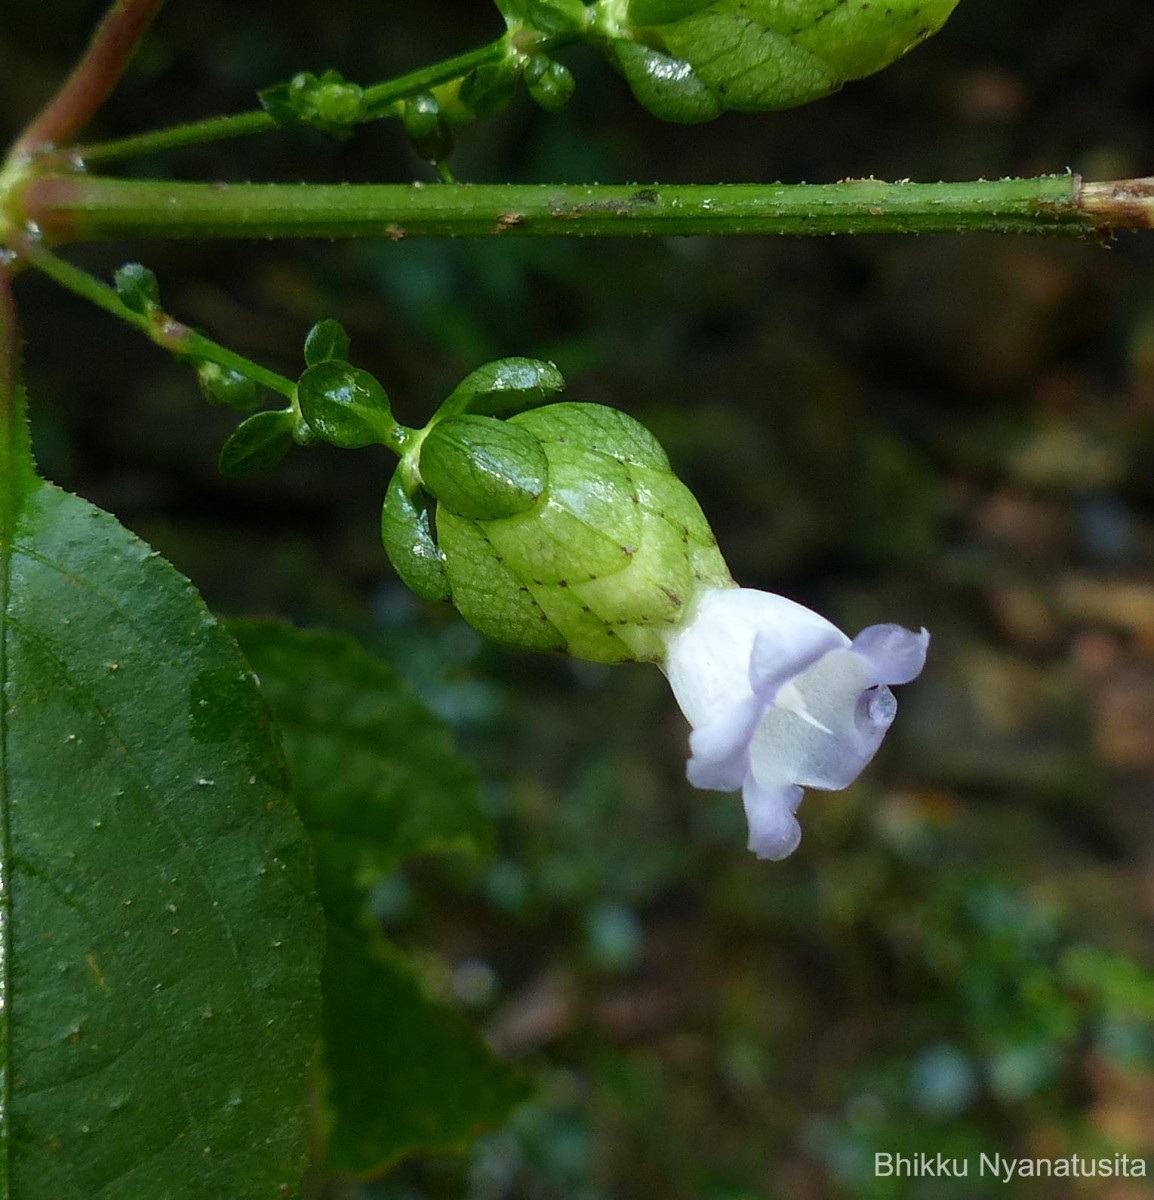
column 327, row 102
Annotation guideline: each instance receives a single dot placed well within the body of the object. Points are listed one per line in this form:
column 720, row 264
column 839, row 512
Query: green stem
column 378, row 98
column 158, row 326
column 79, row 208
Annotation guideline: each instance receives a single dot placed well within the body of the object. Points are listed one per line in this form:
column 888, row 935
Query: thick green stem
column 161, row 328
column 71, row 208
column 378, row 99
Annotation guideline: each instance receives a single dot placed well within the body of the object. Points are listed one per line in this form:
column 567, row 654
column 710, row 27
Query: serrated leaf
column 378, row 781
column 257, row 444
column 502, row 387
column 344, row 405
column 161, row 945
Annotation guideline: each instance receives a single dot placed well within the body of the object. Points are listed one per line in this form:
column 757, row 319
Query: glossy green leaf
column 325, row 341
column 407, row 536
column 161, row 944
column 258, row 444
column 483, row 468
column 503, row 387
column 345, row 405
column 378, row 781
column 688, row 60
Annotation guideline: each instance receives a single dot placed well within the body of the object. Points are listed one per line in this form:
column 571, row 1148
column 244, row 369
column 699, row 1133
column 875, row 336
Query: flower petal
column 720, row 750
column 708, row 660
column 774, row 832
column 896, row 655
column 781, row 654
column 845, row 718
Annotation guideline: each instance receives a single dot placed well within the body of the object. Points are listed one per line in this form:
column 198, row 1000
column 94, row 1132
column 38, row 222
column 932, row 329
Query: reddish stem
column 93, row 77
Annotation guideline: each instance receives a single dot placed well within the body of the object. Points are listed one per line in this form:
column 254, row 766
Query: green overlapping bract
column 690, row 60
column 562, row 528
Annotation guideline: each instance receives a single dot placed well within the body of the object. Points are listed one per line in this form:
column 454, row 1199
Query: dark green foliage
column 377, row 782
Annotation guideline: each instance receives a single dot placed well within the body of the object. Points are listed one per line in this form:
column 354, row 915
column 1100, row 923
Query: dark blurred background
column 949, row 431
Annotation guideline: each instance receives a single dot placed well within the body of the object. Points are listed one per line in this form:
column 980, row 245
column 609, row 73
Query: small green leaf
column 137, row 288
column 223, row 385
column 407, row 537
column 550, row 83
column 489, row 89
column 482, row 468
column 503, row 387
column 277, row 101
column 327, row 340
column 378, row 781
column 345, row 405
column 161, row 944
column 259, row 443
column 550, row 17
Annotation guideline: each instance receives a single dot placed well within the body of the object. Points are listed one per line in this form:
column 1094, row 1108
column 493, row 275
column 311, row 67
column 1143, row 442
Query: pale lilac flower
column 780, row 699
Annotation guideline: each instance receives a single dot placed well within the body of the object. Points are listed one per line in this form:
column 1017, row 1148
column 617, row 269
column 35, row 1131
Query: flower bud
column 550, row 83
column 567, row 530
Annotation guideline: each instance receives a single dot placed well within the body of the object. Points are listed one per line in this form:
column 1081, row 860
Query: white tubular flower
column 780, row 699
